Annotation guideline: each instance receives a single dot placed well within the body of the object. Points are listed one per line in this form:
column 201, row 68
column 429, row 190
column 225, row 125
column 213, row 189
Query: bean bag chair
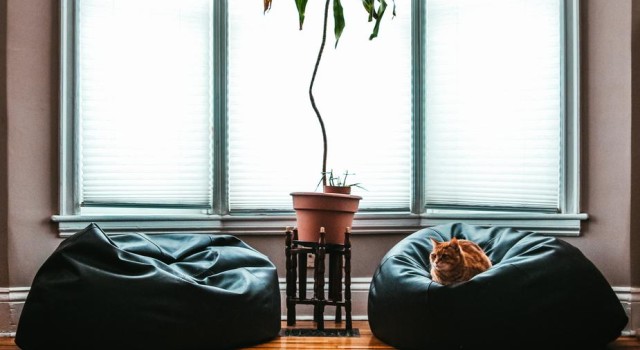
column 164, row 291
column 541, row 293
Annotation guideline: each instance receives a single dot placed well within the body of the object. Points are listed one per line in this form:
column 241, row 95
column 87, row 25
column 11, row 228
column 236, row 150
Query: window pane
column 363, row 91
column 494, row 109
column 144, row 77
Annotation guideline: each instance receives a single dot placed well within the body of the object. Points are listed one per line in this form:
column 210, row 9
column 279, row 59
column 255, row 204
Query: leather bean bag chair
column 541, row 293
column 164, row 291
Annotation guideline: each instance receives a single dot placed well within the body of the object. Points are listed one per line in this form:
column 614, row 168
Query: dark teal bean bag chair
column 164, row 291
column 541, row 293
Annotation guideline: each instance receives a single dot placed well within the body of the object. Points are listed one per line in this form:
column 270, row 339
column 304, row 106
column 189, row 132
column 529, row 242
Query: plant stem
column 313, row 101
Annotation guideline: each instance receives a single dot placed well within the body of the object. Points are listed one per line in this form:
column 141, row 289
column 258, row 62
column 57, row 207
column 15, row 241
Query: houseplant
column 338, row 184
column 334, row 208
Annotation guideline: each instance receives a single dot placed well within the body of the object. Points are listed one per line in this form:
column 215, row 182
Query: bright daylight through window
column 198, row 111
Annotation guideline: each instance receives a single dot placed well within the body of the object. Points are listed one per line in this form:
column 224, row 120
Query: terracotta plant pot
column 333, row 211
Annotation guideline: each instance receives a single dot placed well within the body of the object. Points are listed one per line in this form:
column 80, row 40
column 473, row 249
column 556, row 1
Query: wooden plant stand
column 339, row 256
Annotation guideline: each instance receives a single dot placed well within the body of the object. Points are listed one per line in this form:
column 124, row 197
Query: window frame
column 220, row 220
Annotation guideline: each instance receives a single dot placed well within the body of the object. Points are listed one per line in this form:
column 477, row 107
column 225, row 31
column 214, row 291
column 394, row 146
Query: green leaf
column 368, row 6
column 301, row 5
column 338, row 19
column 378, row 16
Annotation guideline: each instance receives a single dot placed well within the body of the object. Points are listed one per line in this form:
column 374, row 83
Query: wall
column 606, row 142
column 31, row 147
column 610, row 193
column 635, row 145
column 28, row 148
column 5, row 308
column 4, row 271
column 32, row 112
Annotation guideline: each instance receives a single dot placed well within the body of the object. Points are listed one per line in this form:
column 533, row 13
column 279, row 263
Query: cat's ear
column 434, row 242
column 454, row 241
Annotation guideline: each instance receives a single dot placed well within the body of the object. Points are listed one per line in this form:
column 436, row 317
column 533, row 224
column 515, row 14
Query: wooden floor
column 365, row 341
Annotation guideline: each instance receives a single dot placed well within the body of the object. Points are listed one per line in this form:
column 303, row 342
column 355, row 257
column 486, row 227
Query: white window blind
column 144, row 102
column 494, row 103
column 363, row 90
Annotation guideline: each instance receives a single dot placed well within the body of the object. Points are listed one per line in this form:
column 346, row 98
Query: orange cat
column 456, row 261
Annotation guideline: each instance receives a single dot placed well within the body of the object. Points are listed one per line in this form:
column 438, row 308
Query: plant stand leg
column 290, row 264
column 319, row 282
column 347, row 277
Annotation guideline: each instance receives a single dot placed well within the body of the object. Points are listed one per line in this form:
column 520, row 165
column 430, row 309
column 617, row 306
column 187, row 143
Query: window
column 501, row 115
column 493, row 106
column 143, row 102
column 363, row 91
column 195, row 114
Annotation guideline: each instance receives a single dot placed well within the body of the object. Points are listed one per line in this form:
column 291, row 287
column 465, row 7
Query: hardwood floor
column 365, row 341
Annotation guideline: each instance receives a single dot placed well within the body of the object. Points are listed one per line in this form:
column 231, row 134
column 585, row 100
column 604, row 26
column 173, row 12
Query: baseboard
column 630, row 299
column 12, row 300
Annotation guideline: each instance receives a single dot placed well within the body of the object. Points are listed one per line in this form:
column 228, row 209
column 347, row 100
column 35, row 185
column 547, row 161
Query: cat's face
column 445, row 255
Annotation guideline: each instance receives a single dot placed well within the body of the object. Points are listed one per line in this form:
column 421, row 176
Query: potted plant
column 338, row 184
column 335, row 207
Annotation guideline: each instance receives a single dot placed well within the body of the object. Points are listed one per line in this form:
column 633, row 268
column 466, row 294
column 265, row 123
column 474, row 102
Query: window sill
column 364, row 223
column 548, row 224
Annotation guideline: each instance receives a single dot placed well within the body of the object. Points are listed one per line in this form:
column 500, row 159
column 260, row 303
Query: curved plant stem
column 313, row 101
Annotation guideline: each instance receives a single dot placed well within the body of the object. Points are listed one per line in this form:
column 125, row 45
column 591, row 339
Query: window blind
column 363, row 91
column 144, row 102
column 494, row 104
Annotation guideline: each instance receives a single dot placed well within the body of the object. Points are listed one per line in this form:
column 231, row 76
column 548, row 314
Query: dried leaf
column 267, row 5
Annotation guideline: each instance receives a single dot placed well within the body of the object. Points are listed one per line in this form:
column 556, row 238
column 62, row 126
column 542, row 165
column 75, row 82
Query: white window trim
column 566, row 223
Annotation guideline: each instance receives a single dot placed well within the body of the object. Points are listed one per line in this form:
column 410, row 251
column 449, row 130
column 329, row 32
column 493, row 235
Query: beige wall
column 610, row 145
column 635, row 145
column 606, row 137
column 32, row 119
column 4, row 271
